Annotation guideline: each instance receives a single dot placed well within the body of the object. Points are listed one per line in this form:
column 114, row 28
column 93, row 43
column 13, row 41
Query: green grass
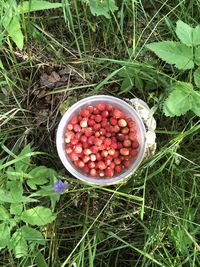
column 153, row 218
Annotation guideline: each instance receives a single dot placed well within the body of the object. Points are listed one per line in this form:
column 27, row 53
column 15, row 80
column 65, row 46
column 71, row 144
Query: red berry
column 131, row 123
column 86, row 158
column 83, row 123
column 132, row 136
column 118, row 114
column 98, row 118
column 118, row 168
column 78, row 148
column 93, row 172
column 101, row 106
column 78, row 135
column 119, row 145
column 135, row 144
column 90, row 108
column 91, row 122
column 122, row 123
column 111, row 152
column 125, row 130
column 98, row 156
column 109, row 172
column 104, row 114
column 113, row 121
column 134, row 153
column 91, row 140
column 88, row 131
column 98, row 141
column 117, row 161
column 104, row 123
column 126, row 163
column 109, row 107
column 116, row 155
column 101, row 173
column 102, row 147
column 83, row 138
column 113, row 146
column 74, row 120
column 127, row 143
column 80, row 117
column 86, row 169
column 102, row 131
column 107, row 161
column 94, row 149
column 74, row 141
column 93, row 157
column 77, row 128
column 124, row 151
column 73, row 156
column 132, row 130
column 69, row 150
column 85, row 145
column 108, row 134
column 91, row 164
column 120, row 137
column 97, row 134
column 107, row 141
column 116, row 129
column 104, row 153
column 80, row 164
column 87, row 151
column 96, row 111
column 101, row 165
column 97, row 126
column 85, row 113
column 70, row 127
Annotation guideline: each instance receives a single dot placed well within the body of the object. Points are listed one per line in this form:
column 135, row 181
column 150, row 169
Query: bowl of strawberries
column 101, row 140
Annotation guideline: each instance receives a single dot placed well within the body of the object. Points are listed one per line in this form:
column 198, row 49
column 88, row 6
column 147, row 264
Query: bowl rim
column 62, row 154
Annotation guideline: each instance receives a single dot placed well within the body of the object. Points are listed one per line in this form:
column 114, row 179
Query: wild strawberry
column 134, row 153
column 124, row 151
column 97, row 141
column 77, row 128
column 78, row 148
column 104, row 153
column 102, row 131
column 91, row 164
column 122, row 123
column 97, row 134
column 125, row 130
column 80, row 164
column 118, row 114
column 107, row 141
column 96, row 111
column 70, row 126
column 135, row 144
column 116, row 129
column 116, row 155
column 113, row 146
column 74, row 120
column 85, row 113
column 90, row 108
column 119, row 145
column 73, row 156
column 86, row 169
column 104, row 114
column 94, row 149
column 101, row 165
column 120, row 137
column 98, row 156
column 83, row 138
column 98, row 118
column 101, row 173
column 74, row 141
column 118, row 168
column 68, row 150
column 101, row 106
column 132, row 136
column 113, row 121
column 127, row 143
column 91, row 140
column 88, row 131
column 83, row 123
column 93, row 172
column 87, row 151
column 126, row 163
column 109, row 107
column 91, row 122
column 117, row 161
column 109, row 172
column 97, row 126
column 93, row 157
column 86, row 158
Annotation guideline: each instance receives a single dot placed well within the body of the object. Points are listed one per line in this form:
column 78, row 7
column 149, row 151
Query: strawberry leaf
column 174, row 53
column 184, row 33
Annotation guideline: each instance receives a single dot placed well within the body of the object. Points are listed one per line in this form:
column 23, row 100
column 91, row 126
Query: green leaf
column 196, row 103
column 16, row 190
column 174, row 53
column 6, row 196
column 4, row 215
column 101, row 8
column 38, row 216
column 30, row 6
column 40, row 260
column 32, row 235
column 196, row 35
column 18, row 244
column 197, row 55
column 182, row 99
column 4, row 235
column 138, row 83
column 126, row 85
column 16, row 208
column 40, row 175
column 11, row 174
column 184, row 33
column 197, row 77
column 13, row 28
column 23, row 165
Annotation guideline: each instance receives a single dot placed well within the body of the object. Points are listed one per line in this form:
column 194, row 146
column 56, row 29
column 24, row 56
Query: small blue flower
column 60, row 187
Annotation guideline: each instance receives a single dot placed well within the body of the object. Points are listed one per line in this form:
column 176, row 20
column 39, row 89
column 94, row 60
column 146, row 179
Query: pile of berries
column 101, row 140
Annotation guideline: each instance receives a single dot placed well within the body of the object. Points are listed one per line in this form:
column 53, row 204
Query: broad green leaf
column 18, row 244
column 196, row 35
column 6, row 196
column 32, row 235
column 174, row 53
column 16, row 208
column 40, row 260
column 184, row 33
column 38, row 216
column 197, row 55
column 16, row 190
column 197, row 77
column 182, row 99
column 101, row 8
column 4, row 235
column 34, row 5
column 40, row 175
column 11, row 174
column 126, row 85
column 23, row 165
column 196, row 103
column 4, row 215
column 14, row 30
